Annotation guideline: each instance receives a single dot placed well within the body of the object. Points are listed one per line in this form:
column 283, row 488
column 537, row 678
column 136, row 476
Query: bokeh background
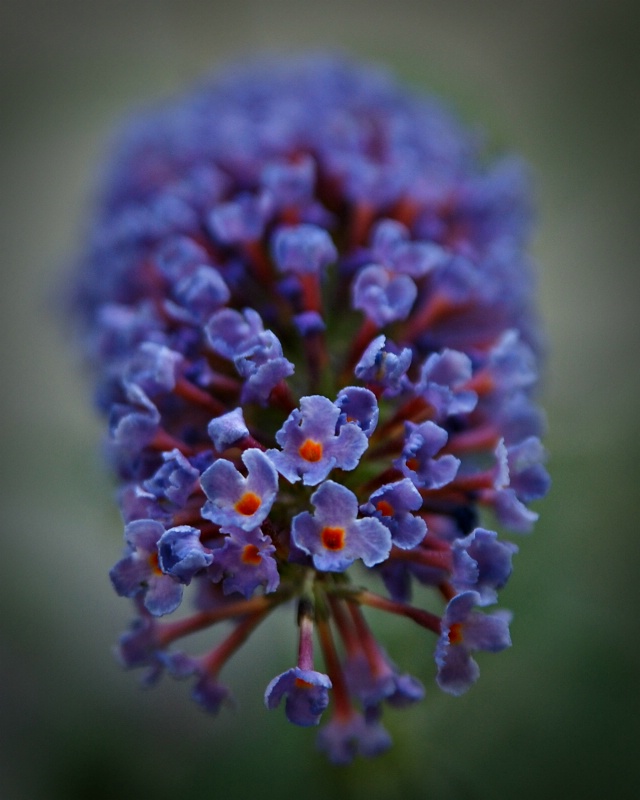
column 556, row 716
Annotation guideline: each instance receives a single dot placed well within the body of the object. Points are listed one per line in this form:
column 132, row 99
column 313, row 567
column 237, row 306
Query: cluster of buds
column 308, row 307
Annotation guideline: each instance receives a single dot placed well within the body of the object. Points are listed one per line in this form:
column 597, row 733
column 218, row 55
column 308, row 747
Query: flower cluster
column 308, row 307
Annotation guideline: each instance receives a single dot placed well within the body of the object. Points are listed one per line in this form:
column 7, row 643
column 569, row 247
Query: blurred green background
column 557, row 715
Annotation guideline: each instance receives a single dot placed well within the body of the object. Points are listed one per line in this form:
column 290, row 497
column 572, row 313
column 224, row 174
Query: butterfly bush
column 308, row 307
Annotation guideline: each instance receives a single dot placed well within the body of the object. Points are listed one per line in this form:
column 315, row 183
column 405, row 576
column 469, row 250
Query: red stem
column 334, row 671
column 424, row 618
column 218, row 657
column 203, row 619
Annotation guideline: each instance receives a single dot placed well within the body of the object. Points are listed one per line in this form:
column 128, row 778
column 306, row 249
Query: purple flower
column 373, row 683
column 207, row 691
column 181, row 553
column 153, row 368
column 138, row 503
column 174, row 480
column 382, row 295
column 133, row 425
column 482, row 563
column 140, row 647
column 227, row 429
column 306, row 692
column 246, row 561
column 255, row 352
column 442, row 383
column 417, row 462
column 235, row 500
column 308, row 323
column 310, row 446
column 303, row 249
column 232, row 334
column 519, row 478
column 210, row 694
column 344, row 738
column 139, row 571
column 179, row 257
column 527, row 476
column 240, row 220
column 333, row 536
column 384, row 366
column 290, row 184
column 202, row 293
column 263, row 367
column 392, row 504
column 357, row 405
column 391, row 245
column 463, row 632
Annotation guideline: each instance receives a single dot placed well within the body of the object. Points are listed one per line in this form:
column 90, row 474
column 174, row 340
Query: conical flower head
column 307, row 304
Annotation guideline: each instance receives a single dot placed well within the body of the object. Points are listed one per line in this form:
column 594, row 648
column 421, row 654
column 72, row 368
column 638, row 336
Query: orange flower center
column 300, row 684
column 413, row 464
column 310, row 450
column 455, row 633
column 155, row 564
column 248, row 504
column 332, row 538
column 251, row 555
column 385, row 508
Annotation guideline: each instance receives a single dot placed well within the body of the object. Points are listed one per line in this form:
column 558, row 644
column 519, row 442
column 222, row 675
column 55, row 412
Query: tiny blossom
column 310, row 446
column 342, row 739
column 133, row 424
column 442, row 383
column 202, row 293
column 139, row 571
column 381, row 366
column 373, row 683
column 263, row 367
column 174, row 480
column 207, row 691
column 290, row 183
column 153, row 369
column 303, row 249
column 382, row 295
column 392, row 504
column 307, row 695
column 245, row 561
column 231, row 333
column 391, row 244
column 464, row 631
column 239, row 501
column 181, row 554
column 482, row 562
column 140, row 648
column 227, row 429
column 307, row 305
column 417, row 462
column 357, row 405
column 240, row 220
column 333, row 536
